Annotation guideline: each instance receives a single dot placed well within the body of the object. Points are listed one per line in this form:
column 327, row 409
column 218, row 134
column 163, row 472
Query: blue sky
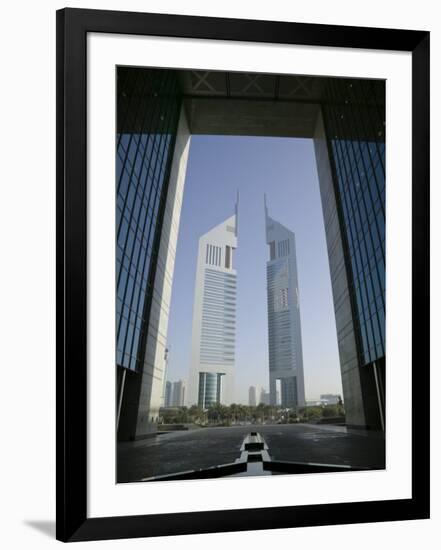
column 285, row 170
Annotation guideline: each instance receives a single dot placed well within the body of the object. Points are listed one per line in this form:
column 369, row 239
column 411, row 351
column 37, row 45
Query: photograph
column 217, row 313
column 250, row 274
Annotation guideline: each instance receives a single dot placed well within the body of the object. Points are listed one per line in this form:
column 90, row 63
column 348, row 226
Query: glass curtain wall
column 354, row 118
column 210, row 388
column 148, row 111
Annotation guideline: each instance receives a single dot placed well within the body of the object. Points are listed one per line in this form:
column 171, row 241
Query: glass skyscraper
column 143, row 162
column 354, row 122
column 359, row 163
column 284, row 330
column 148, row 112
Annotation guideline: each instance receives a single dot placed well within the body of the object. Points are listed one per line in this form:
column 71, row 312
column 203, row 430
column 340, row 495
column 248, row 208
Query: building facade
column 350, row 152
column 254, row 396
column 284, row 328
column 252, row 400
column 151, row 155
column 265, row 398
column 214, row 317
column 168, row 394
column 178, row 393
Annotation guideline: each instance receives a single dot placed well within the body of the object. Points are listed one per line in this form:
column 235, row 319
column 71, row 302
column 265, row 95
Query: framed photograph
column 242, row 240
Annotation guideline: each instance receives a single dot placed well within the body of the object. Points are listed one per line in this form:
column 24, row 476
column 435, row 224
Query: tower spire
column 265, row 205
column 236, row 211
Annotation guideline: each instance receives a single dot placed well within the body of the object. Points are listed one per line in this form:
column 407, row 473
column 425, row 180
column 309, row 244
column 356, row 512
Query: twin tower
column 214, row 317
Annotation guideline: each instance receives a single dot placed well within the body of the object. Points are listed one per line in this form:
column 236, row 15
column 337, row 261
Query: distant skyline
column 285, row 170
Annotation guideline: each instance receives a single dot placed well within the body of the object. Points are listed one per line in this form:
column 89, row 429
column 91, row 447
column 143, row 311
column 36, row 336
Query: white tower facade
column 178, row 393
column 214, row 317
column 284, row 330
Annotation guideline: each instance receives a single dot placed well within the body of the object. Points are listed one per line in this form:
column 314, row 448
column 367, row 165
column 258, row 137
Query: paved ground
column 205, row 447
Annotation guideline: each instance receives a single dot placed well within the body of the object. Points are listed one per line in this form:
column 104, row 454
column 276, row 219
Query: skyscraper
column 168, row 394
column 166, row 399
column 254, row 395
column 151, row 154
column 284, row 331
column 178, row 394
column 350, row 151
column 214, row 317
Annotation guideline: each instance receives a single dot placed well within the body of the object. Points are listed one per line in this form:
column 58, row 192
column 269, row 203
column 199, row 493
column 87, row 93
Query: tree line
column 227, row 415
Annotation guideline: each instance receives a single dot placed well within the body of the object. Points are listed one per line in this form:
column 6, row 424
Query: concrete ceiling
column 255, row 104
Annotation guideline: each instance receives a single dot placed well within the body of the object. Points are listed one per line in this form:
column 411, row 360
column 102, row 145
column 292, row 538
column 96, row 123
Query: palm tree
column 234, row 411
column 261, row 410
column 217, row 412
column 196, row 414
column 243, row 412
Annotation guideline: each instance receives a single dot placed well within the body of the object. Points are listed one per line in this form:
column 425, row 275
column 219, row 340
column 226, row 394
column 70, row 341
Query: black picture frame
column 71, row 320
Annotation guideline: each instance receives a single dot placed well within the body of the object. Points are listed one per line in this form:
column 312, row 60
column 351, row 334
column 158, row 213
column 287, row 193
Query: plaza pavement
column 205, row 447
